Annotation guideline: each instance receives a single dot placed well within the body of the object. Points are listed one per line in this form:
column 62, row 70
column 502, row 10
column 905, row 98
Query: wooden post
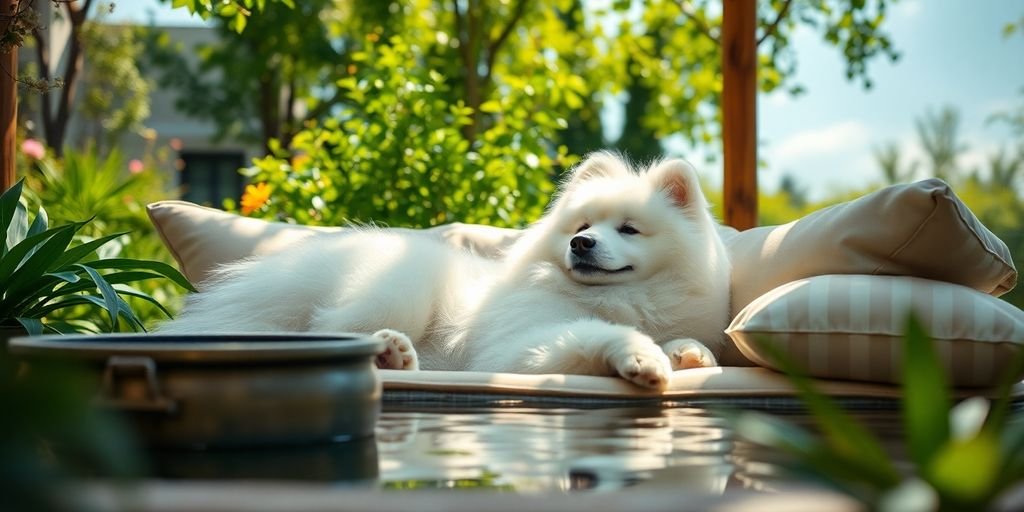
column 8, row 103
column 739, row 111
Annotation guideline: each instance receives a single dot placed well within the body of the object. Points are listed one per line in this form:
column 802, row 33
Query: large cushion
column 920, row 229
column 851, row 327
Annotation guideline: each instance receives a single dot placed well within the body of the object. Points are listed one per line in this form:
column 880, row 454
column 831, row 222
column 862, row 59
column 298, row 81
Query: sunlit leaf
column 926, row 399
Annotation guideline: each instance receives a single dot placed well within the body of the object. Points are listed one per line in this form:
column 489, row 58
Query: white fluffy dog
column 622, row 276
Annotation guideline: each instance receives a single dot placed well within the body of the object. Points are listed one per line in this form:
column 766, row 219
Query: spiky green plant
column 963, row 457
column 44, row 270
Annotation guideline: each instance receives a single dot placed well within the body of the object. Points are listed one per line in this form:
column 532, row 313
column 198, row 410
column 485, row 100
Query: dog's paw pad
column 398, row 354
column 649, row 371
column 686, row 354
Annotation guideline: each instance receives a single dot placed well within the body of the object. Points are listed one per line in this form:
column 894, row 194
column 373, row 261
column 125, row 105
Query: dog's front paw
column 644, row 364
column 689, row 353
column 398, row 354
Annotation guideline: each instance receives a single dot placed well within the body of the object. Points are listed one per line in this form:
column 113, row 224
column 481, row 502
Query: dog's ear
column 599, row 164
column 679, row 181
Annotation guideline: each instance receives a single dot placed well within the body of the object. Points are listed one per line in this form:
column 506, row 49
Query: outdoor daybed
column 833, row 288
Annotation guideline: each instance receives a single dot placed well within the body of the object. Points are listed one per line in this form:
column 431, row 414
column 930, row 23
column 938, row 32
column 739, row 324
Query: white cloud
column 909, row 8
column 837, row 138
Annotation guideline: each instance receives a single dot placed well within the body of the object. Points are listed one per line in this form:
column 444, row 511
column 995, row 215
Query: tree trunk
column 8, row 104
column 270, row 105
column 739, row 112
column 55, row 126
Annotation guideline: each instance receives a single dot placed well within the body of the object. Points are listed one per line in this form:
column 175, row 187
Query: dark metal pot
column 228, row 390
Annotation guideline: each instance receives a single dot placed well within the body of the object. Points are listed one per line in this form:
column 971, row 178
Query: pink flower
column 33, row 149
column 136, row 166
column 176, row 144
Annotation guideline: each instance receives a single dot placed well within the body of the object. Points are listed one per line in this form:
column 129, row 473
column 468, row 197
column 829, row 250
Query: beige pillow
column 851, row 326
column 201, row 238
column 920, row 229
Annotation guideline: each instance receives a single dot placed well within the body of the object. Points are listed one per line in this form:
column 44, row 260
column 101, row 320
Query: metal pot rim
column 203, row 348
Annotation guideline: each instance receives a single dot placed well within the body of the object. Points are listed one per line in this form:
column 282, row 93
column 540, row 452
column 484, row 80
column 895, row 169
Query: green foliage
column 396, row 152
column 663, row 57
column 115, row 97
column 235, row 12
column 248, row 83
column 43, row 272
column 84, row 185
column 964, row 457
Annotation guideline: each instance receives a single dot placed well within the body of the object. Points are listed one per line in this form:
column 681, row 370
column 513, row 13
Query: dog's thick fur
column 622, row 276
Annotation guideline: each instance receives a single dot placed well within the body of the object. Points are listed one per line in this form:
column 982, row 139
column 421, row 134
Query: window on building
column 211, row 177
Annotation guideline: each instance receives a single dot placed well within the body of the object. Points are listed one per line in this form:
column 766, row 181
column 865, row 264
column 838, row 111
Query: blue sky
column 953, row 53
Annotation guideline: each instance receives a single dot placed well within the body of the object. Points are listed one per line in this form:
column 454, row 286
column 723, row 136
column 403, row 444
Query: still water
column 521, row 450
column 687, row 449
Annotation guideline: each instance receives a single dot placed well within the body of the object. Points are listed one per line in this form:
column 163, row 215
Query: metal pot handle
column 119, row 367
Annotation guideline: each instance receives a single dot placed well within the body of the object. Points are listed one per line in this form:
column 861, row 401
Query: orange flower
column 255, row 197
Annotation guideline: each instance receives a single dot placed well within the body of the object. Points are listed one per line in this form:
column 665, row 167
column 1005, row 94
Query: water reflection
column 522, row 450
column 564, row 449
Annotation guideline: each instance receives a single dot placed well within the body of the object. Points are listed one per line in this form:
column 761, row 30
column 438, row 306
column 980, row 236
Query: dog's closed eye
column 583, row 227
column 626, row 229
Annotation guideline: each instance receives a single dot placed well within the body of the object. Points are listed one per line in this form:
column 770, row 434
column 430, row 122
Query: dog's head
column 611, row 224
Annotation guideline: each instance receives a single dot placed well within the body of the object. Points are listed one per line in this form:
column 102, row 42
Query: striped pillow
column 850, row 327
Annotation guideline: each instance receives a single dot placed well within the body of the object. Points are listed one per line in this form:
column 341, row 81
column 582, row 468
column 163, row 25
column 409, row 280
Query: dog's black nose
column 580, row 244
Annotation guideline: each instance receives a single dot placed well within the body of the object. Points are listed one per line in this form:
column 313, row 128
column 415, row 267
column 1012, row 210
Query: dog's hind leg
column 689, row 353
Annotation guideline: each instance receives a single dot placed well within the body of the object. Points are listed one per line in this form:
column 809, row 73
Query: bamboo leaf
column 926, row 399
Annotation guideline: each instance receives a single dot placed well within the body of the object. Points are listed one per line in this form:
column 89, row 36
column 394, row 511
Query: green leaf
column 808, row 456
column 18, row 229
column 154, row 266
column 965, row 471
column 111, row 302
column 491, row 107
column 33, row 266
column 926, row 400
column 1011, row 471
column 9, row 202
column 132, row 292
column 842, row 433
column 129, row 315
column 33, row 326
column 998, row 416
column 70, row 301
column 40, row 223
column 41, row 307
column 77, row 253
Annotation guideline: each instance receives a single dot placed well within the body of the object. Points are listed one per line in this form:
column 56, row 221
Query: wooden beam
column 739, row 111
column 8, row 103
